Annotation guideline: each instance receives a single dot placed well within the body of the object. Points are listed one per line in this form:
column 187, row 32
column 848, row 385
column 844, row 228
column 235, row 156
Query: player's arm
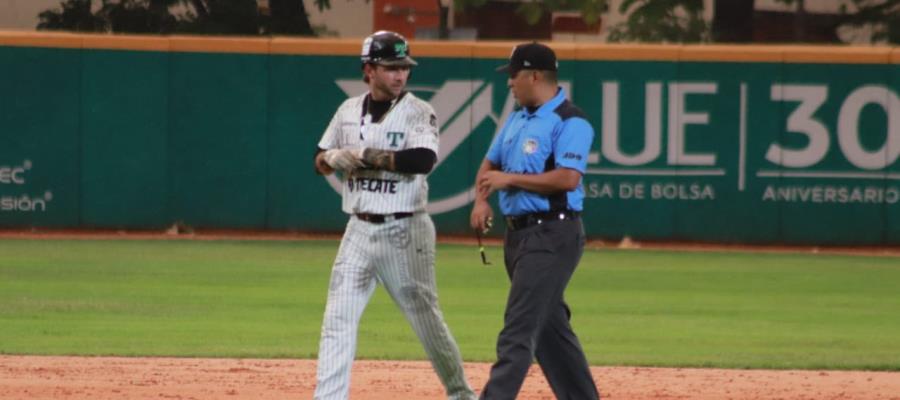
column 329, row 140
column 330, row 155
column 417, row 160
column 420, row 154
column 322, row 167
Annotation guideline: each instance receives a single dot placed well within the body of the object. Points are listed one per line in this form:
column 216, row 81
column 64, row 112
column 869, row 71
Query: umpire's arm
column 481, row 216
column 550, row 182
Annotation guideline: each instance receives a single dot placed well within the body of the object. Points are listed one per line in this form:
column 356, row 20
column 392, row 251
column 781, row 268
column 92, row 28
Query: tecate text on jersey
column 372, row 185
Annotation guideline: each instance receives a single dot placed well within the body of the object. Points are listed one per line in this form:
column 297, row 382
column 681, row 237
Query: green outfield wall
column 753, row 144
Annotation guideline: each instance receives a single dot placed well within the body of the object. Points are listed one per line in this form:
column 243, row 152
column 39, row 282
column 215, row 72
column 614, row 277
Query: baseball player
column 383, row 144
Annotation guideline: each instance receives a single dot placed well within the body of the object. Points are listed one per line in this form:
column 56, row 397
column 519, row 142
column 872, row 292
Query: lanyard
column 366, row 117
column 362, row 119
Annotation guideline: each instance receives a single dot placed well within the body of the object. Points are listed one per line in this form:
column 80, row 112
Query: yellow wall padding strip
column 628, row 52
column 837, row 54
column 203, row 44
column 733, row 53
column 462, row 49
column 36, row 39
column 312, row 46
column 895, row 55
column 125, row 42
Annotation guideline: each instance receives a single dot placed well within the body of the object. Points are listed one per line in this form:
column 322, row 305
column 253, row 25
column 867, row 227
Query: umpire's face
column 386, row 82
column 521, row 83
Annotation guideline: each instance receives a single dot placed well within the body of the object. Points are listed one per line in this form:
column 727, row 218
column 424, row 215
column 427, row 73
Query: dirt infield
column 99, row 378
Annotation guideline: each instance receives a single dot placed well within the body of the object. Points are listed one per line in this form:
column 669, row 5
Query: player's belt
column 517, row 222
column 382, row 218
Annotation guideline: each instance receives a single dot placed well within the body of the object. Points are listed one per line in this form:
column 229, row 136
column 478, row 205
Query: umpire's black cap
column 530, row 56
column 386, row 48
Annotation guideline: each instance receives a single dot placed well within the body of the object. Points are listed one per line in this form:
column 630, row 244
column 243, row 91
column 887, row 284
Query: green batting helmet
column 386, row 48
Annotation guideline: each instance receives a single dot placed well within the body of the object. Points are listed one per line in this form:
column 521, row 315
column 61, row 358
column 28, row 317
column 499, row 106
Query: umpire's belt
column 382, row 218
column 517, row 222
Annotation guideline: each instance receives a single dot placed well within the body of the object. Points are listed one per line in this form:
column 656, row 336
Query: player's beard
column 387, row 89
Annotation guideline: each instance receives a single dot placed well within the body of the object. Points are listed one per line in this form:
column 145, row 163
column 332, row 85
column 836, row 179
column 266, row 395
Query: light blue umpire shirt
column 556, row 135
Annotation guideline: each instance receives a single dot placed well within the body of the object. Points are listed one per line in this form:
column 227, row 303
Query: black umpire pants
column 540, row 260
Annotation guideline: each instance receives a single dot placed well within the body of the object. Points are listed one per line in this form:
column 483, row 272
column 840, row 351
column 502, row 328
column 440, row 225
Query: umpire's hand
column 482, row 216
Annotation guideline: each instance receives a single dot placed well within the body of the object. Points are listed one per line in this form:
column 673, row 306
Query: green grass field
column 265, row 300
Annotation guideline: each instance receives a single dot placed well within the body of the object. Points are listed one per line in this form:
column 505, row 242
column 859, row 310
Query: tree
column 882, row 15
column 222, row 17
column 133, row 17
column 732, row 21
column 289, row 17
column 800, row 24
column 202, row 16
column 443, row 19
column 75, row 15
column 532, row 11
column 679, row 21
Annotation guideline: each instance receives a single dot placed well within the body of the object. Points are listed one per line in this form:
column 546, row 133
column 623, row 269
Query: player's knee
column 337, row 322
column 417, row 299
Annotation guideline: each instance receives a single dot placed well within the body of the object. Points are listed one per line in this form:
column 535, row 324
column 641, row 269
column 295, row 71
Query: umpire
column 536, row 162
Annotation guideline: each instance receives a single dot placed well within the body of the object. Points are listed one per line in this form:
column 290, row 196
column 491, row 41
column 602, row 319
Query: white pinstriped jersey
column 410, row 123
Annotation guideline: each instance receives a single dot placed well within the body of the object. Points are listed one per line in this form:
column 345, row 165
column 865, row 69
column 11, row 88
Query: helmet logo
column 365, row 48
column 400, row 49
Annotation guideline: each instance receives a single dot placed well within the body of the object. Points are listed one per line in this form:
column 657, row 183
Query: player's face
column 386, row 82
column 521, row 84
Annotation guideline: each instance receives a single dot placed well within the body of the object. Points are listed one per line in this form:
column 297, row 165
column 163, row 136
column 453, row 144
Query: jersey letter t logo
column 394, row 136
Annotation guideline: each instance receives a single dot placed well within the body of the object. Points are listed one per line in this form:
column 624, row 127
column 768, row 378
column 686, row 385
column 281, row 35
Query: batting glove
column 346, row 160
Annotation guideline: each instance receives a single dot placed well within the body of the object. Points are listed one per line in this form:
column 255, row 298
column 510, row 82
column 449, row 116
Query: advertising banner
column 795, row 145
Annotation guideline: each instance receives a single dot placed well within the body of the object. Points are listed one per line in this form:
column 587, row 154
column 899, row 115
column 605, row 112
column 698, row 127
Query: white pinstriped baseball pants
column 400, row 255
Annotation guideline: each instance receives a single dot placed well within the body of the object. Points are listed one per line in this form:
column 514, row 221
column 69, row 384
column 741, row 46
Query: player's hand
column 321, row 166
column 377, row 159
column 482, row 216
column 492, row 181
column 347, row 160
